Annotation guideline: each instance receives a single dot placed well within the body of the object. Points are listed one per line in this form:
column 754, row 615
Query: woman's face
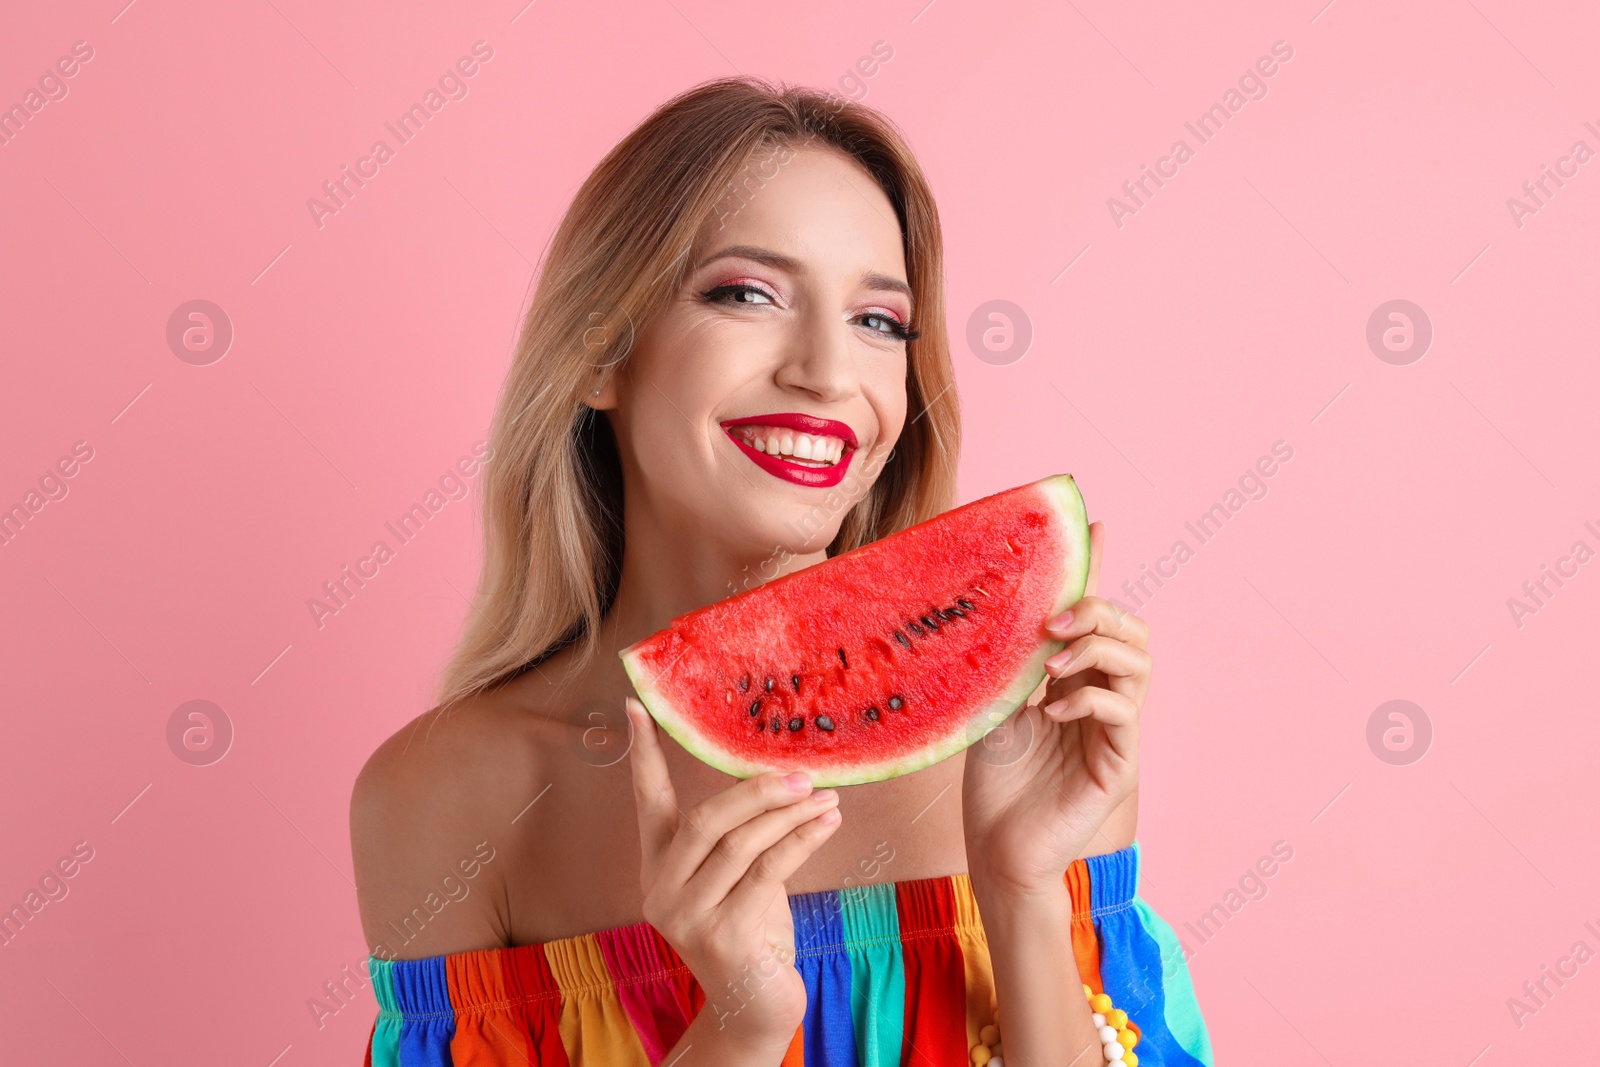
column 759, row 404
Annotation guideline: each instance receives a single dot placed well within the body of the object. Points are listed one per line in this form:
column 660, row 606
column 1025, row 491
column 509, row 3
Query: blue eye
column 753, row 296
column 890, row 327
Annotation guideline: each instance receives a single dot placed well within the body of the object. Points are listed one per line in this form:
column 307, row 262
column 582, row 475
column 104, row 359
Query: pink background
column 1227, row 314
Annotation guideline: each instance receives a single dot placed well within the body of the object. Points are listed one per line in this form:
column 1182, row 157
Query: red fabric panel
column 536, row 1003
column 935, row 1033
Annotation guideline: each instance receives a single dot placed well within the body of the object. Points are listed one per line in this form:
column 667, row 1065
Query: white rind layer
column 1062, row 493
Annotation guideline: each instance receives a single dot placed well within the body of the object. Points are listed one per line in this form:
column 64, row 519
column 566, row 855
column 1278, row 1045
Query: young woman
column 543, row 877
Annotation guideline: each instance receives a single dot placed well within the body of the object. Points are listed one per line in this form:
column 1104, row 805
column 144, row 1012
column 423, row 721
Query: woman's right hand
column 713, row 880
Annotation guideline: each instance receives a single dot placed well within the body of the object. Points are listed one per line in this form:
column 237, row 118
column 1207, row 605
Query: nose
column 819, row 358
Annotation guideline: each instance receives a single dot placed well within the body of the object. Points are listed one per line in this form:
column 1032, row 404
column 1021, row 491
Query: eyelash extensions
column 719, row 293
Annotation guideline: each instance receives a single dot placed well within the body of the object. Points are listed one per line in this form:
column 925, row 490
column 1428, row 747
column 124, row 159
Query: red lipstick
column 778, row 467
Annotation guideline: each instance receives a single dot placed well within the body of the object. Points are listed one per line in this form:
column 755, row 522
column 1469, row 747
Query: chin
column 792, row 527
column 772, row 542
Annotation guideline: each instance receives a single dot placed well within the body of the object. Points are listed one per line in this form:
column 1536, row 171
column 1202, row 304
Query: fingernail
column 1062, row 621
column 829, row 817
column 799, row 781
column 824, row 795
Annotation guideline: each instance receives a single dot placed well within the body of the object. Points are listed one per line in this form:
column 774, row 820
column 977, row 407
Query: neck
column 666, row 576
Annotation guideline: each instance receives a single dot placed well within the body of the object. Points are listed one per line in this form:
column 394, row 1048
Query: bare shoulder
column 431, row 826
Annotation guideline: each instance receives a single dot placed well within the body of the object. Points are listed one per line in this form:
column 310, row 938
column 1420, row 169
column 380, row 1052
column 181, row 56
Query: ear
column 601, row 395
column 609, row 337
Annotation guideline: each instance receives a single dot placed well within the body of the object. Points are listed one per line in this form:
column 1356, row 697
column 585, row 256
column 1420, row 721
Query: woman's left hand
column 1030, row 812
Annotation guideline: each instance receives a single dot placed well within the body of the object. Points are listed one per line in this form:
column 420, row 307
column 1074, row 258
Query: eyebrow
column 782, row 262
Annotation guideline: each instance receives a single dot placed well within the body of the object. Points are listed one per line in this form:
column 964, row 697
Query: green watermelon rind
column 1062, row 491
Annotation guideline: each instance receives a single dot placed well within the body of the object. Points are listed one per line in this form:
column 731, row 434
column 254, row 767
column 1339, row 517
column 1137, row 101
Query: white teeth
column 776, row 441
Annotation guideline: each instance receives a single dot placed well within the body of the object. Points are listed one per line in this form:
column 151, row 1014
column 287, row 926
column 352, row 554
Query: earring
column 595, row 393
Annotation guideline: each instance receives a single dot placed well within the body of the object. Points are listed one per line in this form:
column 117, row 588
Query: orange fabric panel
column 1085, row 945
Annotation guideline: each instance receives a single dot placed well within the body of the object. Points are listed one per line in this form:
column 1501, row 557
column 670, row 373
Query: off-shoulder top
column 897, row 975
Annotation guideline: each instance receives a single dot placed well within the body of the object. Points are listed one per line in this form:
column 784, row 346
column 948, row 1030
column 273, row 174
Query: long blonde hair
column 552, row 491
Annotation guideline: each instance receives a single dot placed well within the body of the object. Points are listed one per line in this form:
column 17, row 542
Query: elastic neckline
column 871, row 917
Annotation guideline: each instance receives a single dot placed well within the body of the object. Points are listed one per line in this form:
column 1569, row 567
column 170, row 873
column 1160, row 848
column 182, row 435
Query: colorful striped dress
column 896, row 973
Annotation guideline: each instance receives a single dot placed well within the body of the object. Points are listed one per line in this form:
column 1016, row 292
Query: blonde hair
column 552, row 491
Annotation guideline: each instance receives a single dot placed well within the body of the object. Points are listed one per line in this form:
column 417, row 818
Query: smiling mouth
column 820, row 451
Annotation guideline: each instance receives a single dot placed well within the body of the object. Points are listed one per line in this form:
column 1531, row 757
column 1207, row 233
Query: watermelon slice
column 880, row 661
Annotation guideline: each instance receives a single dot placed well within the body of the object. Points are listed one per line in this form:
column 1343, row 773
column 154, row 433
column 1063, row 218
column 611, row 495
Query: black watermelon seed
column 955, row 613
column 824, row 723
column 873, row 713
column 966, row 605
column 796, row 722
column 755, row 707
column 777, row 727
column 769, row 685
column 795, row 678
column 930, row 624
column 843, row 660
column 744, row 684
column 914, row 628
column 895, row 703
column 902, row 638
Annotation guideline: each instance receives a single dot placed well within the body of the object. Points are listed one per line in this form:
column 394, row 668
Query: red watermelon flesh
column 880, row 661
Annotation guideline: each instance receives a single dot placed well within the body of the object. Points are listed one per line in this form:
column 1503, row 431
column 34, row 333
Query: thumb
column 653, row 794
